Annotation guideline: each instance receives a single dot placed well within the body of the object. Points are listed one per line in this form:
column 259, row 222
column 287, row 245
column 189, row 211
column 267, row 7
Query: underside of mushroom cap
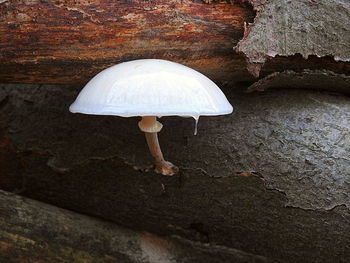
column 151, row 87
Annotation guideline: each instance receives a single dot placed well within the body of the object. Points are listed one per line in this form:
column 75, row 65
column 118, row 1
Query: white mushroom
column 151, row 88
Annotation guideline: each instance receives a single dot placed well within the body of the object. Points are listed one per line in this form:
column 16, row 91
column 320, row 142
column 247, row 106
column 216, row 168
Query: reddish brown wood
column 67, row 41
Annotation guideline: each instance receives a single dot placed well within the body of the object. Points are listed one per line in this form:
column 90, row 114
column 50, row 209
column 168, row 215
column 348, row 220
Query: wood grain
column 67, row 41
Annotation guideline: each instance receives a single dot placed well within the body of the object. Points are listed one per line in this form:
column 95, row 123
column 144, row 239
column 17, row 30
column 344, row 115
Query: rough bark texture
column 32, row 231
column 286, row 28
column 272, row 179
column 70, row 41
column 270, row 182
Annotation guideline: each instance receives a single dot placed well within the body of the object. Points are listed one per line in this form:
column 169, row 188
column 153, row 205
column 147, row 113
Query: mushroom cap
column 151, row 87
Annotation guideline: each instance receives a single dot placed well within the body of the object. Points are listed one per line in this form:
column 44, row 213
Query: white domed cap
column 151, row 87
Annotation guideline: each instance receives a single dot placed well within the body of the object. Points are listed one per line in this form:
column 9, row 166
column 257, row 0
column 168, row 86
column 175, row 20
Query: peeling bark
column 286, row 28
column 70, row 41
column 278, row 167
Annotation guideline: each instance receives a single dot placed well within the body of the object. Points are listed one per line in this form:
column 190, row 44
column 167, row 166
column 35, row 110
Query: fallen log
column 31, row 231
column 67, row 42
column 70, row 41
column 271, row 179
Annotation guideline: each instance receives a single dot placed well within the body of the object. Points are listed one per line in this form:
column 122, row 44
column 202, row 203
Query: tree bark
column 70, row 41
column 272, row 179
column 32, row 231
column 67, row 42
column 270, row 182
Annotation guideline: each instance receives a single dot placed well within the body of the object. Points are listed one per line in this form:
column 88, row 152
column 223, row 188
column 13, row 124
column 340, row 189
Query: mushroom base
column 162, row 166
column 166, row 168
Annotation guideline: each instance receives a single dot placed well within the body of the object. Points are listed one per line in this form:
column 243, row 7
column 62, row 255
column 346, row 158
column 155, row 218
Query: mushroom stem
column 162, row 166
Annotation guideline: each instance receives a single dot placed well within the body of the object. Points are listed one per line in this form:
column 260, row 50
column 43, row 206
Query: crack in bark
column 326, row 80
column 320, row 209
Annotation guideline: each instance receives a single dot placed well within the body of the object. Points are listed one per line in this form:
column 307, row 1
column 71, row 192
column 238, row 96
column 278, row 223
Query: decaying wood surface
column 70, row 41
column 271, row 179
column 66, row 42
column 31, row 231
